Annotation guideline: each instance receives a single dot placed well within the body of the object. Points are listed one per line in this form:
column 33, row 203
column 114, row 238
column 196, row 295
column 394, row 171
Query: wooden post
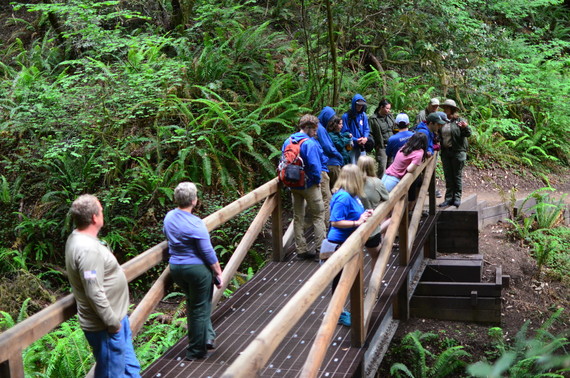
column 432, row 206
column 326, row 330
column 244, row 245
column 150, row 300
column 277, row 230
column 402, row 307
column 358, row 333
column 380, row 267
column 403, row 234
column 13, row 367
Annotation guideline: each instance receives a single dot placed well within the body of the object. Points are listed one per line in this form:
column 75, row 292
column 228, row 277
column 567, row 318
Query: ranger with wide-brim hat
column 454, row 146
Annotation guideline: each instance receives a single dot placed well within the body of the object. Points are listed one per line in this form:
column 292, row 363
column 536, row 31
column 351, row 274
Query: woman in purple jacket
column 194, row 267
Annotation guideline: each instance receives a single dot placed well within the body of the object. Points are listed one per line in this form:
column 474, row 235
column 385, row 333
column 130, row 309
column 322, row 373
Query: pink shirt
column 401, row 162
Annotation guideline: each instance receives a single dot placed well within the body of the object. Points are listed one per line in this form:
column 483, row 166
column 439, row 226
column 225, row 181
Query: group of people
column 343, row 183
column 335, row 155
column 332, row 142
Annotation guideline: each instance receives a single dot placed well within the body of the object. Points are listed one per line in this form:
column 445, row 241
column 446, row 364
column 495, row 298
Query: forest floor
column 528, row 298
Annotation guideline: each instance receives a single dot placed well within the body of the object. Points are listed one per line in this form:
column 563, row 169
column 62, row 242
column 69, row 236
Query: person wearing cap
column 355, row 121
column 434, row 121
column 398, row 140
column 454, row 145
column 381, row 127
column 431, row 108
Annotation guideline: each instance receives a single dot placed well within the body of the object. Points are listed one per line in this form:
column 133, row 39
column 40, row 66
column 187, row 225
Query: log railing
column 14, row 340
column 347, row 258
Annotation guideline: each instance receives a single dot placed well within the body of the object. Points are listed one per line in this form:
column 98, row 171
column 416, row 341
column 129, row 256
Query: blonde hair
column 351, row 180
column 367, row 165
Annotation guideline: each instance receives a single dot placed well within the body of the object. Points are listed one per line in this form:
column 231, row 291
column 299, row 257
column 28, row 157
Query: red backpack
column 291, row 168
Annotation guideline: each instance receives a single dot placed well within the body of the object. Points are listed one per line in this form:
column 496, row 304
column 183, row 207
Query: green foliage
column 425, row 363
column 536, row 224
column 542, row 355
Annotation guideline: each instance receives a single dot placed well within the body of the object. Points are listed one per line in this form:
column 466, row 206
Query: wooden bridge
column 284, row 321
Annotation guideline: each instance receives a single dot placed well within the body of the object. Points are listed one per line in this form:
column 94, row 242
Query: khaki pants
column 381, row 159
column 334, row 172
column 315, row 210
column 326, row 193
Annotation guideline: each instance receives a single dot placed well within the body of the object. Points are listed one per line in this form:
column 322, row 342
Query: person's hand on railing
column 218, row 281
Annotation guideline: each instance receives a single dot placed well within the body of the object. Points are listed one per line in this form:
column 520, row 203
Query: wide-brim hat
column 449, row 102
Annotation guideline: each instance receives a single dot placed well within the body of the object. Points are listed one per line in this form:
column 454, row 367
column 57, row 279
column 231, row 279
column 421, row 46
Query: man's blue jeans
column 114, row 353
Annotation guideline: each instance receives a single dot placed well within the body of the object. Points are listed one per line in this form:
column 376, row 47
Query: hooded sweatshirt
column 423, row 128
column 324, row 139
column 311, row 155
column 356, row 123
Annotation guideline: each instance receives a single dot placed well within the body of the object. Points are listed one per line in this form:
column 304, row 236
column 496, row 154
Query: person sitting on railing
column 374, row 194
column 407, row 160
column 347, row 213
column 194, row 267
column 101, row 292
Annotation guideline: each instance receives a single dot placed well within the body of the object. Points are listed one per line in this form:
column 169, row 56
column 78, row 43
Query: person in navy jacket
column 311, row 192
column 333, row 157
column 355, row 121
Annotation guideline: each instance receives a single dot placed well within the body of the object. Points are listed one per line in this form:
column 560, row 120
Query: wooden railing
column 347, row 258
column 16, row 339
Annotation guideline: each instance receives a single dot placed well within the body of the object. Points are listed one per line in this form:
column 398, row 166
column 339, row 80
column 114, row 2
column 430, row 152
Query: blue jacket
column 311, row 155
column 396, row 142
column 422, row 128
column 334, row 157
column 356, row 123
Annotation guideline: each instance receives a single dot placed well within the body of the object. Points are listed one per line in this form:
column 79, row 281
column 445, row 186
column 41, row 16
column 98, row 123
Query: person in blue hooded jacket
column 355, row 121
column 335, row 159
column 430, row 127
column 311, row 192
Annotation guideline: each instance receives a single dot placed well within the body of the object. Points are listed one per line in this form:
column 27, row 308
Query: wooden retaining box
column 456, row 300
column 450, row 287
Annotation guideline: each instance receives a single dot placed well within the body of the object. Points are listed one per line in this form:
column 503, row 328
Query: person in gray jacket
column 101, row 291
column 382, row 128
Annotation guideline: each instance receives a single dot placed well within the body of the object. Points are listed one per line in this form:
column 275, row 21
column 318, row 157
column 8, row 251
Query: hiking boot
column 437, row 193
column 210, row 345
column 307, row 256
column 445, row 204
column 456, row 203
column 344, row 319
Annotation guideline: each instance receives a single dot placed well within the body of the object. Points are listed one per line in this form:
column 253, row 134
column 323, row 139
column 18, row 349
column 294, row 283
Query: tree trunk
column 332, row 43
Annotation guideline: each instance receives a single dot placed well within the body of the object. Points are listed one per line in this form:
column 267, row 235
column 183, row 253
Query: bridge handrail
column 258, row 352
column 14, row 340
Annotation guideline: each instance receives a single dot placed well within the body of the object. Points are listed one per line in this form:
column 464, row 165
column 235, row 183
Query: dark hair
column 418, row 141
column 382, row 104
column 333, row 123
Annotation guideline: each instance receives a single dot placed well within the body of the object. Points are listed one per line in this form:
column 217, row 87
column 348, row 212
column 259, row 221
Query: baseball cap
column 434, row 101
column 443, row 116
column 402, row 117
column 435, row 117
column 361, row 102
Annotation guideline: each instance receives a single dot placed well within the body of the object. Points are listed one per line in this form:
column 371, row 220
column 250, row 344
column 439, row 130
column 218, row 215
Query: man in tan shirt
column 101, row 291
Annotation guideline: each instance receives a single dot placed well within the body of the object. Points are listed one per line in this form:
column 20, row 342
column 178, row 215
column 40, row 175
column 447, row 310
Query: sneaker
column 344, row 319
column 437, row 193
column 193, row 357
column 445, row 204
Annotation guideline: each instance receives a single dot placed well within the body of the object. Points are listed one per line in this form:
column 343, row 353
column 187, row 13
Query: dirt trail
column 493, row 185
